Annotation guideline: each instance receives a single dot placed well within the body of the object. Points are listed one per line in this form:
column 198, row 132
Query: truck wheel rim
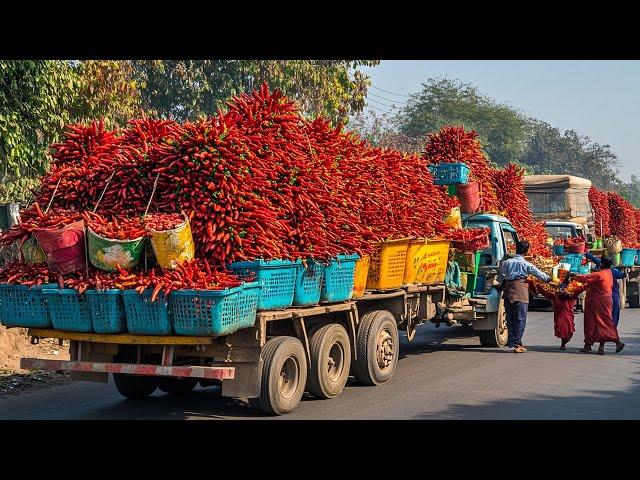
column 335, row 363
column 288, row 381
column 384, row 349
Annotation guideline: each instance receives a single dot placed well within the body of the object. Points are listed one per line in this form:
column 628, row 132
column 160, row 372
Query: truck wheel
column 177, row 386
column 377, row 348
column 134, row 387
column 284, row 375
column 330, row 361
column 499, row 336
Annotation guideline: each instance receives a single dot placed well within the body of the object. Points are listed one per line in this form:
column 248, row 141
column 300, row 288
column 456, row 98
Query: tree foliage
column 35, row 96
column 551, row 152
column 187, row 89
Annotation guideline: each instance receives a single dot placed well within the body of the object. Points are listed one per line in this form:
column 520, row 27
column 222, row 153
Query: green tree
column 34, row 107
column 502, row 130
column 551, row 152
column 630, row 190
column 187, row 89
column 106, row 89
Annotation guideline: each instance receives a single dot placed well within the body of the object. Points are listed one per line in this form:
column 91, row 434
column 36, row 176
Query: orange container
column 362, row 272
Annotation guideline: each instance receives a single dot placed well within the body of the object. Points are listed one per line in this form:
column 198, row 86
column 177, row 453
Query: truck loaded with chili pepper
column 259, row 249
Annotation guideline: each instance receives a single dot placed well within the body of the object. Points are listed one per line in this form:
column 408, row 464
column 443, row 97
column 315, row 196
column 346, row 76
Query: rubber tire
column 135, row 387
column 274, row 354
column 367, row 371
column 492, row 338
column 318, row 383
column 177, row 386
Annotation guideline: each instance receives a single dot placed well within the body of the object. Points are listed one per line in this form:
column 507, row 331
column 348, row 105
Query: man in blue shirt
column 514, row 271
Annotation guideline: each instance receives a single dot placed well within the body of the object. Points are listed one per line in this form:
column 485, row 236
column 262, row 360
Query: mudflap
column 247, row 381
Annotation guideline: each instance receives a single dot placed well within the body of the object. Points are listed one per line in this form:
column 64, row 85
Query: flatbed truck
column 290, row 351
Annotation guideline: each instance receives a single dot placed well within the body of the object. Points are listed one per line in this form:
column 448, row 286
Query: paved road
column 442, row 374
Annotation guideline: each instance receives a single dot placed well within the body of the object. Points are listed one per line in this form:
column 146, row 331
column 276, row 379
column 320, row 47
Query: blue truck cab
column 491, row 321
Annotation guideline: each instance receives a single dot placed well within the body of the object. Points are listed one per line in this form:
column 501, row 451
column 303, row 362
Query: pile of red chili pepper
column 117, row 228
column 600, row 204
column 34, row 219
column 574, row 242
column 470, row 239
column 192, row 275
column 452, row 144
column 622, row 222
column 514, row 204
column 161, row 222
column 28, row 274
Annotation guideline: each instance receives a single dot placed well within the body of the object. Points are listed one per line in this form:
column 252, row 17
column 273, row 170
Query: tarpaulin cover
column 558, row 197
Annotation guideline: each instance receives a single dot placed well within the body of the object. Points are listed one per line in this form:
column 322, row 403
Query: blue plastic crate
column 277, row 278
column 574, row 259
column 145, row 317
column 339, row 276
column 107, row 311
column 628, row 257
column 214, row 312
column 449, row 173
column 308, row 283
column 21, row 306
column 68, row 309
column 558, row 250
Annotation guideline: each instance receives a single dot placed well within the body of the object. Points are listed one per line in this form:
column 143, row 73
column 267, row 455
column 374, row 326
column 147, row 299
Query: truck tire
column 377, row 346
column 284, row 376
column 330, row 352
column 177, row 386
column 135, row 387
column 499, row 336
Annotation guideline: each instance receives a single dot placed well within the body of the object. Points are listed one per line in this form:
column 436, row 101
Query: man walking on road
column 514, row 271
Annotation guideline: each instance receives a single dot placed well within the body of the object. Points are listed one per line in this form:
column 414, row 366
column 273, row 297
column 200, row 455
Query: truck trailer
column 290, row 351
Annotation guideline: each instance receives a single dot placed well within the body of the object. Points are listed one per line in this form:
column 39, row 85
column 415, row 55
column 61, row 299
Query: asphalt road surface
column 442, row 374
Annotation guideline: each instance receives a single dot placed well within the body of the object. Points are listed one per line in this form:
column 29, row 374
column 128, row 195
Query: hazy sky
column 600, row 99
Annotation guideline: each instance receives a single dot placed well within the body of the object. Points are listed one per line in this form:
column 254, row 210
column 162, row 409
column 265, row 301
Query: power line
column 379, row 109
column 387, row 99
column 383, row 104
column 391, row 93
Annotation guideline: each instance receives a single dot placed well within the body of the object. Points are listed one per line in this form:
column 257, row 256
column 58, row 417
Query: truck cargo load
column 559, row 197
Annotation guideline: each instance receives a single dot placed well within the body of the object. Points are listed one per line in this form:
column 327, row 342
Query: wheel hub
column 288, row 381
column 384, row 349
column 335, row 362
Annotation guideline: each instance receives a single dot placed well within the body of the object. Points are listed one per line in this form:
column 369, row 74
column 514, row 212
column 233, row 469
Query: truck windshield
column 562, row 232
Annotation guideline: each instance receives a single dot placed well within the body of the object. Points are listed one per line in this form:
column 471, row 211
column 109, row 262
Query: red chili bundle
column 514, row 204
column 469, row 239
column 26, row 274
column 574, row 242
column 34, row 219
column 117, row 228
column 600, row 204
column 452, row 144
column 622, row 222
column 193, row 275
column 163, row 221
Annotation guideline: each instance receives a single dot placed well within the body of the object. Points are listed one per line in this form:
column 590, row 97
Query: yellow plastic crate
column 386, row 270
column 432, row 266
column 362, row 272
column 415, row 252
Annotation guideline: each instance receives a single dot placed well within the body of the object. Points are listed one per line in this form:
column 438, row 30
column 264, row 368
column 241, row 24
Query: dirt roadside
column 14, row 344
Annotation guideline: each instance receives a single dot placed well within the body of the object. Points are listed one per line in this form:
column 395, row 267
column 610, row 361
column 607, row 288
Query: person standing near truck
column 514, row 271
column 615, row 289
column 598, row 309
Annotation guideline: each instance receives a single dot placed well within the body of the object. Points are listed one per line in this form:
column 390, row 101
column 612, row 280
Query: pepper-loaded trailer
column 287, row 352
